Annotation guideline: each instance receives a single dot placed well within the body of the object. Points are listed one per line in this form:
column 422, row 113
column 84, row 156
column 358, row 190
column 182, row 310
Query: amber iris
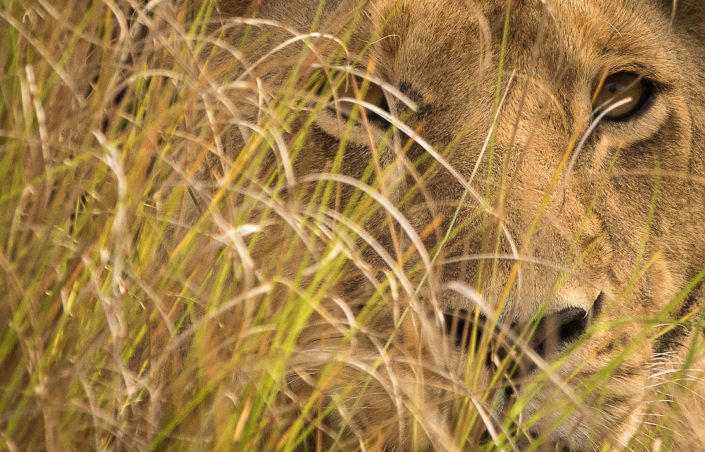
column 627, row 88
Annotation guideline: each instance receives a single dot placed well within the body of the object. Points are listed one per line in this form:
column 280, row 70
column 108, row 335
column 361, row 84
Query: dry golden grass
column 138, row 310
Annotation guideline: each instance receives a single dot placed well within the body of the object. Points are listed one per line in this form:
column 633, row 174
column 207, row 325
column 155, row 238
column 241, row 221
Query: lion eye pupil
column 622, row 96
column 363, row 91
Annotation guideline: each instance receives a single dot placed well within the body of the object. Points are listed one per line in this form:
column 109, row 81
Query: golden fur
column 618, row 210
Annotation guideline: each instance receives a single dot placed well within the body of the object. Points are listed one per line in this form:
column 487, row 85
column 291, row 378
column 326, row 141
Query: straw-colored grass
column 168, row 286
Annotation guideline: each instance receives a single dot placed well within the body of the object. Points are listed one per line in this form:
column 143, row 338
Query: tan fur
column 633, row 204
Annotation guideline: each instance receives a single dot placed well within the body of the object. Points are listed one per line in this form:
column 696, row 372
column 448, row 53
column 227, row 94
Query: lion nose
column 559, row 329
column 548, row 335
column 572, row 323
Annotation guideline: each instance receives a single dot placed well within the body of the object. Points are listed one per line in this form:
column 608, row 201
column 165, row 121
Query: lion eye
column 355, row 90
column 629, row 90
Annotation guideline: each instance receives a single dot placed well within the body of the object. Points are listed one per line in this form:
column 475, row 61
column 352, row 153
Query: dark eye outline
column 648, row 95
column 373, row 93
column 381, row 102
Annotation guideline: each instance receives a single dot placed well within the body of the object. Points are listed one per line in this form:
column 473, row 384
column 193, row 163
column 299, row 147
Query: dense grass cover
column 165, row 285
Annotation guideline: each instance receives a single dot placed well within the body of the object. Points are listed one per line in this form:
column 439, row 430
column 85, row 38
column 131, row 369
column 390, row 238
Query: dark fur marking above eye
column 424, row 109
column 406, row 88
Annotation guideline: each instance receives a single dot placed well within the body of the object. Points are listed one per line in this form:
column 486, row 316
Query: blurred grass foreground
column 159, row 290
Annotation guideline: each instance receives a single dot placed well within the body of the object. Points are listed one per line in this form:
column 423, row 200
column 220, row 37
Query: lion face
column 569, row 137
column 583, row 191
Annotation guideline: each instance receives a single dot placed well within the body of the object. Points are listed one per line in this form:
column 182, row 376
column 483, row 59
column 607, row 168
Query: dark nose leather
column 559, row 329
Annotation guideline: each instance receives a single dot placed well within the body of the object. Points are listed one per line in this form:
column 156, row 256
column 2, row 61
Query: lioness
column 548, row 157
